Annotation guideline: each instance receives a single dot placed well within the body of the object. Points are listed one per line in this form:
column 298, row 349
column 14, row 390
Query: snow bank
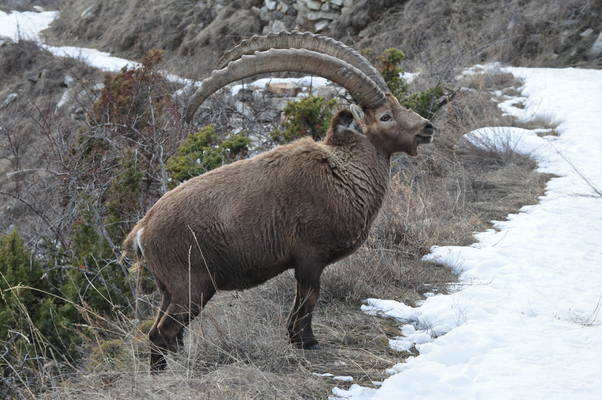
column 28, row 26
column 25, row 25
column 525, row 323
column 95, row 58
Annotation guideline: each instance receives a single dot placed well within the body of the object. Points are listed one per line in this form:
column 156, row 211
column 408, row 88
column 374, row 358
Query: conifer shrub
column 35, row 321
column 389, row 66
column 307, row 117
column 96, row 284
column 425, row 103
column 206, row 150
column 123, row 197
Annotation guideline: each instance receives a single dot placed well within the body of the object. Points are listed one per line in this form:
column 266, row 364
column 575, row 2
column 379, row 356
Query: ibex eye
column 385, row 117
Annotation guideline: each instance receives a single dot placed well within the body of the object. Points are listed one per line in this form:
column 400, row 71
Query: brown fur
column 304, row 205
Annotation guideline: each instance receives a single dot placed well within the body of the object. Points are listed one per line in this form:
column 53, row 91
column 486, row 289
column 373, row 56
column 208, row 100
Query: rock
column 264, row 14
column 5, row 40
column 65, row 98
column 587, row 32
column 243, row 109
column 325, row 7
column 316, row 15
column 278, row 103
column 313, row 4
column 286, row 89
column 9, row 99
column 277, row 26
column 68, row 80
column 596, row 49
column 321, row 25
column 336, row 3
column 282, row 7
column 270, row 5
column 347, row 3
column 328, row 92
column 89, row 13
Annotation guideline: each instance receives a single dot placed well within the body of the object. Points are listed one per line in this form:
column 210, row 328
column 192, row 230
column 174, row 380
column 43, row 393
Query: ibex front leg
column 308, row 292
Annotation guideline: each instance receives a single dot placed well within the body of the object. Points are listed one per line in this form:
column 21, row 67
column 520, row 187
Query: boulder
column 313, row 4
column 596, row 49
column 9, row 99
column 316, row 15
column 283, row 89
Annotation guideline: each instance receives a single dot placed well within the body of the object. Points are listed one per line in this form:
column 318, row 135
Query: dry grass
column 238, row 347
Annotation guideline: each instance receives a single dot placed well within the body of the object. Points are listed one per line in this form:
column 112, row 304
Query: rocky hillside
column 443, row 33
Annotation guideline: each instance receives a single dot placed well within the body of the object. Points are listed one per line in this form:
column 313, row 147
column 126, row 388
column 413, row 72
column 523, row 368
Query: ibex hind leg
column 157, row 359
column 181, row 310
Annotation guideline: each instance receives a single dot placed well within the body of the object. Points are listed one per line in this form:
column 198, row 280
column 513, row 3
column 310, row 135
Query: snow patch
column 525, row 321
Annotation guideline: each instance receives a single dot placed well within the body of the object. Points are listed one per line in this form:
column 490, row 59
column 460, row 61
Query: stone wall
column 310, row 15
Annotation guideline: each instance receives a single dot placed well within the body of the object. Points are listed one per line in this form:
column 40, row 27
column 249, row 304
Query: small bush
column 34, row 323
column 95, row 285
column 307, row 117
column 389, row 65
column 426, row 103
column 205, row 150
column 134, row 96
column 123, row 197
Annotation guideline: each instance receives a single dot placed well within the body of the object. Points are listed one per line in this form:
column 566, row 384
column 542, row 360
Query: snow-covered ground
column 29, row 24
column 526, row 322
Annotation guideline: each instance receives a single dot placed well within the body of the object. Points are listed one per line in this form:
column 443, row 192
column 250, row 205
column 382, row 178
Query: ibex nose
column 426, row 135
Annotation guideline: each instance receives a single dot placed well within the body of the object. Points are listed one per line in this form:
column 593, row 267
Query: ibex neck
column 365, row 171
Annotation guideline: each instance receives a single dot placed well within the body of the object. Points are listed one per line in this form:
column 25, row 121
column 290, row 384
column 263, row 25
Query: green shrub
column 425, row 103
column 97, row 284
column 123, row 197
column 203, row 151
column 34, row 321
column 389, row 66
column 307, row 117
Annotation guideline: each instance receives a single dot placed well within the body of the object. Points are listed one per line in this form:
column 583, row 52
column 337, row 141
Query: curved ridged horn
column 291, row 60
column 308, row 41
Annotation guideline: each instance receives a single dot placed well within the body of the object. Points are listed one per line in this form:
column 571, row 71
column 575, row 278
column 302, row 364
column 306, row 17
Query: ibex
column 303, row 205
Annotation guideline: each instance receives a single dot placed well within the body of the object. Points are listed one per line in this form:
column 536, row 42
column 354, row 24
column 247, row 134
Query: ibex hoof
column 311, row 346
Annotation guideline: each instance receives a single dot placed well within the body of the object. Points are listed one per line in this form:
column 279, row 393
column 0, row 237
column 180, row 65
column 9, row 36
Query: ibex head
column 393, row 128
column 389, row 126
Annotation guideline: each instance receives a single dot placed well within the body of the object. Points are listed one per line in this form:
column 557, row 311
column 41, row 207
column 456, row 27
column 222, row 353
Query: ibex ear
column 358, row 116
column 358, row 113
